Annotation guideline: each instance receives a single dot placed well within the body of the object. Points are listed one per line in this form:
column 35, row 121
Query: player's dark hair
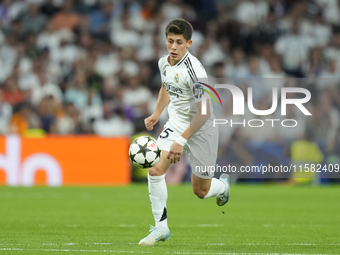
column 179, row 27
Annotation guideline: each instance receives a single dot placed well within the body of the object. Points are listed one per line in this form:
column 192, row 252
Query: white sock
column 158, row 195
column 216, row 187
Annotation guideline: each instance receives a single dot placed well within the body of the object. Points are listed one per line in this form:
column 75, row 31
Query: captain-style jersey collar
column 182, row 60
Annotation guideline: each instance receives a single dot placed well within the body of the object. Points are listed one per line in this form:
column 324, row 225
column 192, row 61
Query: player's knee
column 200, row 193
column 155, row 171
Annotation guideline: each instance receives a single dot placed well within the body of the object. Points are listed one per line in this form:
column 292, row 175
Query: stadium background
column 89, row 67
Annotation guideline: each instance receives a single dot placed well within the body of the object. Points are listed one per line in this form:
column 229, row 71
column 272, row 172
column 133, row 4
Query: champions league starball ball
column 144, row 152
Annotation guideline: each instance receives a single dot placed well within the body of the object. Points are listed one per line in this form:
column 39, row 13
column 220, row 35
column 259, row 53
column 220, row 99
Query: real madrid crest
column 176, row 78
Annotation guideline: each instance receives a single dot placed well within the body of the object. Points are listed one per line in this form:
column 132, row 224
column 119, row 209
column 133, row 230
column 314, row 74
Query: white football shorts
column 201, row 148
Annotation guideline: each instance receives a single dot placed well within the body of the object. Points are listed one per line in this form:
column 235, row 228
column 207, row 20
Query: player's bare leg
column 158, row 195
column 213, row 187
column 201, row 186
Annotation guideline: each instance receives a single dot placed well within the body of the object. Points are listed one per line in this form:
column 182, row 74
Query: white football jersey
column 179, row 80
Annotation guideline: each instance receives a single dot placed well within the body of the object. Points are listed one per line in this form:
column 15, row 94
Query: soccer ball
column 144, row 152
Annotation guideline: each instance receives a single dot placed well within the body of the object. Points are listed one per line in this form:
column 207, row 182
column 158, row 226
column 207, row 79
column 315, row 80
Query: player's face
column 177, row 47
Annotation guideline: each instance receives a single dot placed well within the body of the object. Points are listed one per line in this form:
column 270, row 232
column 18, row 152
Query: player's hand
column 175, row 152
column 150, row 122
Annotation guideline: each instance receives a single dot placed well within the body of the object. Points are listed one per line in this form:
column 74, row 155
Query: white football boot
column 223, row 198
column 156, row 235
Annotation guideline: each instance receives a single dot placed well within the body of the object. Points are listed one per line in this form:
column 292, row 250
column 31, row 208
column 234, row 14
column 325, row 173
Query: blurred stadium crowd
column 78, row 67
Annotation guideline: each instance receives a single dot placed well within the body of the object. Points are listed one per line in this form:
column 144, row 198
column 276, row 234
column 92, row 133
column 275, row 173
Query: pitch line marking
column 116, row 251
column 210, row 225
column 71, row 250
column 72, row 225
column 211, row 244
column 273, row 244
column 127, row 226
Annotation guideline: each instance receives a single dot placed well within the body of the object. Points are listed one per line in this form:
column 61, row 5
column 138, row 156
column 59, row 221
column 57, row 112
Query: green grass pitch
column 103, row 220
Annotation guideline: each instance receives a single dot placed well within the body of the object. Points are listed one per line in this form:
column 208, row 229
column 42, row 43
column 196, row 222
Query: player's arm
column 163, row 100
column 196, row 123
